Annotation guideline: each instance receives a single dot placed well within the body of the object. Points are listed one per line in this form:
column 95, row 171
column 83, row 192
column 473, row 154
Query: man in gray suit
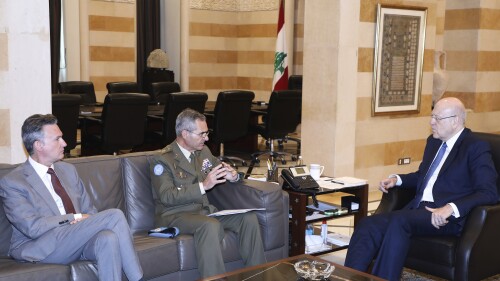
column 52, row 215
column 180, row 176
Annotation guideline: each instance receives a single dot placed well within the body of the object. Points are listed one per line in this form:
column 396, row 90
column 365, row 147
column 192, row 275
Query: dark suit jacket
column 34, row 213
column 175, row 184
column 467, row 177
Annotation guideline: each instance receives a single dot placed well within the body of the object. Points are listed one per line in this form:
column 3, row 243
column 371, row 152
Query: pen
column 337, row 182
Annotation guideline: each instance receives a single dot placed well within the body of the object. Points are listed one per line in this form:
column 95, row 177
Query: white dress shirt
column 41, row 171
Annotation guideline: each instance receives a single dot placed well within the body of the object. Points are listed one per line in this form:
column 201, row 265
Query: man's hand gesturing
column 215, row 176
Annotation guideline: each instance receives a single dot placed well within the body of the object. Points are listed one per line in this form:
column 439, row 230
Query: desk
column 283, row 270
column 96, row 110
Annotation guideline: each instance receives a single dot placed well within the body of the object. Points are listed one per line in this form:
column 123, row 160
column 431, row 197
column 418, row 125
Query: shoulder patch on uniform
column 158, row 169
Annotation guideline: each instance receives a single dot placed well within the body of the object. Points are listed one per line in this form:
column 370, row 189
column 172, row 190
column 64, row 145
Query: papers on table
column 322, row 207
column 338, row 239
column 234, row 211
column 340, row 182
column 257, row 177
column 349, row 181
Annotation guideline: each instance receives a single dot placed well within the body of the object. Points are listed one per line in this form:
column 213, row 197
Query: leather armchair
column 67, row 108
column 472, row 256
column 229, row 121
column 122, row 87
column 282, row 117
column 121, row 127
column 161, row 90
column 85, row 89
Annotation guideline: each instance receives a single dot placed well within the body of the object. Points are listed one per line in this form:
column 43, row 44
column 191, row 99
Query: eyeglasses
column 202, row 134
column 437, row 118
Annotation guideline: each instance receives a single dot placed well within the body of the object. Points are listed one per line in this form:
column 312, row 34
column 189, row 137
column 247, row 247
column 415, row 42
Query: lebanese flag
column 280, row 78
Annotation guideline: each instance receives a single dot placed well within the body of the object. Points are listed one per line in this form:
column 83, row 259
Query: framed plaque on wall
column 398, row 59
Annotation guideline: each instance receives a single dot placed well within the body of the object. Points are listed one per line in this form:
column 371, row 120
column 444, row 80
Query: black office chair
column 472, row 256
column 66, row 108
column 160, row 90
column 230, row 120
column 122, row 87
column 121, row 127
column 85, row 89
column 282, row 118
column 175, row 104
column 152, row 75
column 295, row 82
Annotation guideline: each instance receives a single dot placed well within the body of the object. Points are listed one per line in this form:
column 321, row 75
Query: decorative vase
column 440, row 77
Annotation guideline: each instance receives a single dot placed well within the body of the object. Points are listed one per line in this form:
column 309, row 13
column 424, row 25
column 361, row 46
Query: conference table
column 248, row 143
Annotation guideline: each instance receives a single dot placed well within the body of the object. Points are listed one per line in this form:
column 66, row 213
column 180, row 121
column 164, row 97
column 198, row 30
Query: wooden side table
column 298, row 203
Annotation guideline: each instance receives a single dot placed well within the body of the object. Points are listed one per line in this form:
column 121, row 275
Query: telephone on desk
column 298, row 179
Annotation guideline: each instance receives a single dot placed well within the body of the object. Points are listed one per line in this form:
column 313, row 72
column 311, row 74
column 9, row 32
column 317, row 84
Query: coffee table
column 283, row 270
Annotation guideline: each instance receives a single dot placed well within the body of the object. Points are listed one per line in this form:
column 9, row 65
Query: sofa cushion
column 434, row 249
column 137, row 187
column 5, row 226
column 187, row 252
column 84, row 271
column 20, row 271
column 257, row 194
column 158, row 256
column 102, row 176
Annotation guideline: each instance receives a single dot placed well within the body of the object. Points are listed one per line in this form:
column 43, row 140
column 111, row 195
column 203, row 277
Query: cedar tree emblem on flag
column 280, row 78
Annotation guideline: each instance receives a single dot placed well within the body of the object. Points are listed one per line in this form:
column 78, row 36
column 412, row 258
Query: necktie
column 59, row 189
column 193, row 160
column 435, row 163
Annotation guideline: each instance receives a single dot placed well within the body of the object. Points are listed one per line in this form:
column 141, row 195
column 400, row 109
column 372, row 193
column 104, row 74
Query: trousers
column 208, row 233
column 386, row 238
column 104, row 237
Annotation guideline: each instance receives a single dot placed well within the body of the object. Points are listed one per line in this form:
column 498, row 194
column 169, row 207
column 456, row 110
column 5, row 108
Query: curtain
column 148, row 33
column 55, row 41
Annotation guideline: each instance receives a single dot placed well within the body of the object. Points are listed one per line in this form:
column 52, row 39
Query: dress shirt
column 41, row 171
column 427, row 195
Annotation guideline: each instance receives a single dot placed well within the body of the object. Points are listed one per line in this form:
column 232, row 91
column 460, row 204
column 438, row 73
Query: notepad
column 349, row 181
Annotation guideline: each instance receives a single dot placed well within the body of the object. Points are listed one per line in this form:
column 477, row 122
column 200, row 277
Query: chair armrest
column 155, row 117
column 258, row 112
column 256, row 194
column 395, row 199
column 478, row 251
column 92, row 119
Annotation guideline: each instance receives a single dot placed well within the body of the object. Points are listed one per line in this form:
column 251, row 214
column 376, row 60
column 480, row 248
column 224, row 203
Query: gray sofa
column 123, row 182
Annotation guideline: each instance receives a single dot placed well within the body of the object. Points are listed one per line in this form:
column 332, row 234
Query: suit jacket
column 175, row 182
column 467, row 177
column 33, row 212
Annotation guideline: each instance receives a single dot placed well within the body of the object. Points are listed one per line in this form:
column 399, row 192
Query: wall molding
column 235, row 5
column 119, row 1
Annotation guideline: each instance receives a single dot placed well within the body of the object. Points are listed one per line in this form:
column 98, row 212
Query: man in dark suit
column 52, row 215
column 456, row 174
column 181, row 176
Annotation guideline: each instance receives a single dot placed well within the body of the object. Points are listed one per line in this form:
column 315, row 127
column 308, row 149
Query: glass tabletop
column 284, row 270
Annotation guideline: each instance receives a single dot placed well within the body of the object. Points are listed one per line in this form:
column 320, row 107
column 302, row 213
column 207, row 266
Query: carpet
column 413, row 275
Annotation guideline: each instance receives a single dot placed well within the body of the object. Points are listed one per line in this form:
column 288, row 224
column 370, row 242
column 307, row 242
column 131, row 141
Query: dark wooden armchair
column 474, row 255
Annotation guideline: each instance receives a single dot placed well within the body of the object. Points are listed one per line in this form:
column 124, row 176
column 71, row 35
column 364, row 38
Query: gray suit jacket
column 33, row 212
column 175, row 184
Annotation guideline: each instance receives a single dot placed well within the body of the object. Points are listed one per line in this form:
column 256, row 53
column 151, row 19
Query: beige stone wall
column 111, row 44
column 369, row 146
column 24, row 71
column 382, row 140
column 472, row 43
column 231, row 50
